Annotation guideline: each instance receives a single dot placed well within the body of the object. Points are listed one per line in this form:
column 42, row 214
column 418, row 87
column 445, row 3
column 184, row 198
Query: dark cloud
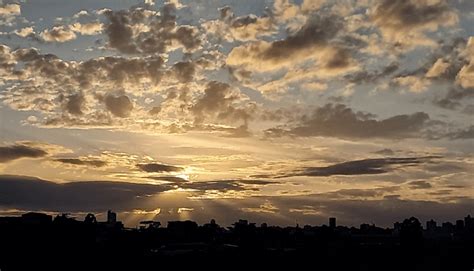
column 123, row 25
column 155, row 110
column 468, row 109
column 467, row 133
column 243, row 28
column 341, row 121
column 450, row 52
column 16, row 192
column 244, row 20
column 70, row 87
column 217, row 97
column 226, row 185
column 454, row 97
column 103, row 69
column 384, row 211
column 154, row 167
column 172, row 179
column 420, row 185
column 386, row 152
column 75, row 104
column 256, row 182
column 359, row 167
column 373, row 76
column 443, row 192
column 13, row 152
column 222, row 186
column 120, row 70
column 81, row 162
column 407, row 14
column 360, row 193
column 120, row 106
column 188, row 36
column 225, row 12
column 221, row 103
column 184, row 71
column 403, row 21
column 317, row 32
column 320, row 39
column 120, row 33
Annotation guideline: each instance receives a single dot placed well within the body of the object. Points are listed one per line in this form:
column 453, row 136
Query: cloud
column 359, row 167
column 467, row 133
column 92, row 28
column 75, row 104
column 154, row 167
column 81, row 162
column 172, row 179
column 350, row 206
column 184, row 71
column 266, row 207
column 445, row 61
column 18, row 151
column 386, row 152
column 338, row 120
column 145, row 31
column 404, row 22
column 438, row 69
column 102, row 79
column 255, row 182
column 225, row 185
column 58, row 34
column 221, row 186
column 382, row 211
column 16, row 192
column 155, row 110
column 311, row 42
column 25, row 32
column 119, row 106
column 360, row 193
column 420, row 184
column 413, row 83
column 449, row 65
column 220, row 102
column 10, row 9
column 82, row 13
column 454, row 97
column 120, row 34
column 240, row 28
column 465, row 77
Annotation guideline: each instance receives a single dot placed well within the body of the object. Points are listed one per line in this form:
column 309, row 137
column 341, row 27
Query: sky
column 286, row 111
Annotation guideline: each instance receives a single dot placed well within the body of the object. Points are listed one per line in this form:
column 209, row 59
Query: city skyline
column 278, row 111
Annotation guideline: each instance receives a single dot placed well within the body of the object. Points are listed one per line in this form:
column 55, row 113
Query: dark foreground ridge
column 36, row 241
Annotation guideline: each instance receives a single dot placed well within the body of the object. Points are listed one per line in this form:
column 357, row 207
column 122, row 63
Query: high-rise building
column 111, row 217
column 332, row 222
column 459, row 224
column 469, row 222
column 431, row 225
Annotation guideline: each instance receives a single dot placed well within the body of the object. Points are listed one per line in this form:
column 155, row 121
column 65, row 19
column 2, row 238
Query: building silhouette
column 431, row 225
column 111, row 217
column 90, row 244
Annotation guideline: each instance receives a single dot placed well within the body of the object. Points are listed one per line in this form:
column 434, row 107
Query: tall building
column 459, row 224
column 332, row 222
column 431, row 225
column 469, row 222
column 111, row 217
